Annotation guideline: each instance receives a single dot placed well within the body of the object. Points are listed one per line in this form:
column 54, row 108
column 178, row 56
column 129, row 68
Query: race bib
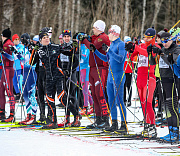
column 163, row 64
column 143, row 61
column 64, row 58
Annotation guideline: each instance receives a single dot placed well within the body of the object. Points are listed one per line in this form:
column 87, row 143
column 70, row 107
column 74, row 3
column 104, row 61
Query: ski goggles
column 110, row 31
column 148, row 37
column 165, row 39
column 66, row 31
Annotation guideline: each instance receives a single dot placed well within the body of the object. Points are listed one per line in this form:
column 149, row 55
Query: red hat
column 14, row 37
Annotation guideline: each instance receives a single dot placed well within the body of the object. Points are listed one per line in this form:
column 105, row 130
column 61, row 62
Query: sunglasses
column 178, row 42
column 145, row 36
column 66, row 31
column 165, row 39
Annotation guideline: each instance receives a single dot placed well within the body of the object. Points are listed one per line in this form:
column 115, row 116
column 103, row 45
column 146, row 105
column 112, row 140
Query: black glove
column 13, row 49
column 129, row 46
column 149, row 49
column 104, row 47
column 66, row 73
column 74, row 37
column 92, row 48
column 170, row 58
column 1, row 50
column 156, row 50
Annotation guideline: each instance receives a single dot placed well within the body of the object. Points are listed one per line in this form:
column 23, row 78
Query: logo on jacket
column 54, row 51
column 99, row 39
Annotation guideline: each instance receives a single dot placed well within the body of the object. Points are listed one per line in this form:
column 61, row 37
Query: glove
column 149, row 49
column 92, row 48
column 66, row 73
column 1, row 50
column 156, row 50
column 75, row 43
column 11, row 48
column 74, row 37
column 170, row 58
column 104, row 47
column 129, row 46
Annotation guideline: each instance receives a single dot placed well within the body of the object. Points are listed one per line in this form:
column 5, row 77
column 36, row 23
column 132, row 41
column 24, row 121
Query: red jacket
column 6, row 48
column 142, row 51
column 97, row 41
column 129, row 68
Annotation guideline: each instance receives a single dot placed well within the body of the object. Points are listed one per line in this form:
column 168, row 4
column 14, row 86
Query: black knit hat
column 165, row 35
column 42, row 34
column 6, row 33
column 150, row 32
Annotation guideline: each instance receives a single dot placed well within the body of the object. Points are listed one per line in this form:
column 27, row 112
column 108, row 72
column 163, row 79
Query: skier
column 6, row 82
column 29, row 81
column 128, row 73
column 49, row 55
column 67, row 63
column 100, row 104
column 17, row 79
column 169, row 75
column 84, row 78
column 146, row 78
column 61, row 39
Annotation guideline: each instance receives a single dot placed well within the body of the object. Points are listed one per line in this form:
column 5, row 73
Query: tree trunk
column 157, row 9
column 126, row 20
column 66, row 14
column 144, row 16
column 72, row 15
column 77, row 16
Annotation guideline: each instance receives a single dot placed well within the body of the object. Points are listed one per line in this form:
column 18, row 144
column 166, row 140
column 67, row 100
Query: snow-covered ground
column 18, row 142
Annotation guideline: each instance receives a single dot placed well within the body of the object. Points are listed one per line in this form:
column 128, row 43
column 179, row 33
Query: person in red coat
column 6, row 83
column 100, row 104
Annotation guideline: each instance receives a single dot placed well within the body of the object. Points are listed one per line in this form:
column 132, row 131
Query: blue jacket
column 17, row 62
column 84, row 63
column 116, row 55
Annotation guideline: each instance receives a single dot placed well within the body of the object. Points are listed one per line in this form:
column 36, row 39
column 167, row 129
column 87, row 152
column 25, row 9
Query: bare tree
column 66, row 14
column 72, row 17
column 157, row 9
column 77, row 16
column 126, row 17
column 144, row 16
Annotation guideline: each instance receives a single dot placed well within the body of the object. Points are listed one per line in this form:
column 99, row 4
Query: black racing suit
column 170, row 82
column 50, row 57
column 67, row 63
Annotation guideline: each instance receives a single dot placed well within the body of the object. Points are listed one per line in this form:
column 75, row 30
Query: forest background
column 133, row 16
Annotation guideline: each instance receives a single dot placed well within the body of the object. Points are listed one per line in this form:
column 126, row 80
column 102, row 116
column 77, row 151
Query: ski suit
column 128, row 72
column 95, row 84
column 145, row 68
column 170, row 83
column 84, row 76
column 116, row 57
column 7, row 78
column 50, row 57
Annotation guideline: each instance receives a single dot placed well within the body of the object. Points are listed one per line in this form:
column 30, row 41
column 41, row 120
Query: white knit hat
column 100, row 25
column 127, row 38
column 115, row 30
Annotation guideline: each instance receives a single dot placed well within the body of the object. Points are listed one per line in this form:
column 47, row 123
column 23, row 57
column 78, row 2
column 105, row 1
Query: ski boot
column 113, row 128
column 76, row 122
column 2, row 114
column 65, row 122
column 152, row 133
column 27, row 119
column 51, row 123
column 41, row 119
column 123, row 129
column 10, row 118
column 105, row 123
column 96, row 123
column 173, row 136
column 31, row 120
column 90, row 111
column 83, row 111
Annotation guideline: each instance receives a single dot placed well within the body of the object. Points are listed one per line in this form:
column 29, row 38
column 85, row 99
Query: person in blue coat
column 116, row 55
